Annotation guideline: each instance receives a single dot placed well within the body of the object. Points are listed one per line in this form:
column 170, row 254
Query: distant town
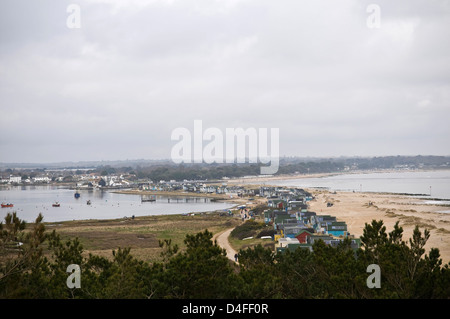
column 286, row 208
column 135, row 174
column 75, row 179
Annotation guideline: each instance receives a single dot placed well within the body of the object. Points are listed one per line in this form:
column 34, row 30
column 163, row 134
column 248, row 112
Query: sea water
column 427, row 184
column 29, row 201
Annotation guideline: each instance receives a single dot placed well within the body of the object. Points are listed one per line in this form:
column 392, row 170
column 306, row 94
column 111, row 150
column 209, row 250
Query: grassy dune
column 141, row 234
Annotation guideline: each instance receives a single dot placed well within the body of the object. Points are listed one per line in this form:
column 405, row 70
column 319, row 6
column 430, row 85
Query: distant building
column 302, row 235
column 327, row 239
column 15, row 179
column 298, row 205
column 42, row 179
column 337, row 229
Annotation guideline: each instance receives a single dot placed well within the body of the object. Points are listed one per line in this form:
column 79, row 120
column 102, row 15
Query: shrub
column 247, row 229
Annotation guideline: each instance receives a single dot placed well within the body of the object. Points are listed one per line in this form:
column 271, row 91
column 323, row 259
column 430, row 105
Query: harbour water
column 29, row 201
column 426, row 184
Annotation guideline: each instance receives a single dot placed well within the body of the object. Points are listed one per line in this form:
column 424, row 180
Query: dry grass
column 142, row 234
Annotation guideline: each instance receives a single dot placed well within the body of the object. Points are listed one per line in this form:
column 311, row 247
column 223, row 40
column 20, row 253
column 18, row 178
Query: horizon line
column 170, row 160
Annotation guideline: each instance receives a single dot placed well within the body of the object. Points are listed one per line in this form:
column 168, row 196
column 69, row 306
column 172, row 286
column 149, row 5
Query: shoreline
column 359, row 208
column 238, row 200
column 355, row 208
column 267, row 178
column 214, row 197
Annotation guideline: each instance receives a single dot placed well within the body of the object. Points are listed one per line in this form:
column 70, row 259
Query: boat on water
column 148, row 200
column 56, row 204
column 77, row 195
column 7, row 205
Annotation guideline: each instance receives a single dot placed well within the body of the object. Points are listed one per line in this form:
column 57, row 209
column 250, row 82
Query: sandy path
column 222, row 241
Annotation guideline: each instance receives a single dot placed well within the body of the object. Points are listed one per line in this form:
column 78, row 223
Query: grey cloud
column 118, row 86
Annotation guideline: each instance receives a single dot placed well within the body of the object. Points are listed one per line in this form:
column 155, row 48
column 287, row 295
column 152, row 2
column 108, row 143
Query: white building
column 15, row 179
column 41, row 179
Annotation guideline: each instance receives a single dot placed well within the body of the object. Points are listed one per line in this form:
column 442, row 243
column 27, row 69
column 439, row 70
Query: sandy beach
column 266, row 179
column 354, row 209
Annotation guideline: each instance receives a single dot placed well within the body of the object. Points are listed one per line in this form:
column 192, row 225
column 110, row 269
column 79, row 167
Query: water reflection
column 433, row 184
column 29, row 201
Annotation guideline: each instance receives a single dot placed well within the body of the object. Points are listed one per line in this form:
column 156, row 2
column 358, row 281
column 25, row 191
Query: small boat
column 56, row 204
column 148, row 199
column 7, row 205
column 77, row 195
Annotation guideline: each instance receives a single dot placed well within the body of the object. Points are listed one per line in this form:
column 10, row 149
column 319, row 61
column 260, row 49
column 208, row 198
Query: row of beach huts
column 297, row 227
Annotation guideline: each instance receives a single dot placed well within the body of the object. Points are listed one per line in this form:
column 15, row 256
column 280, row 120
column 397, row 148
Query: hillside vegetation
column 202, row 270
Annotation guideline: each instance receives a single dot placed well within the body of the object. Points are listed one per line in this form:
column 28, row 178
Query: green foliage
column 20, row 252
column 197, row 171
column 257, row 272
column 248, row 229
column 38, row 268
column 202, row 271
column 338, row 271
column 298, row 274
column 268, row 231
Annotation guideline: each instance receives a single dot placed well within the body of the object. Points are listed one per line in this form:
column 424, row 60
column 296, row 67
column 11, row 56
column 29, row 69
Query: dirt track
column 222, row 241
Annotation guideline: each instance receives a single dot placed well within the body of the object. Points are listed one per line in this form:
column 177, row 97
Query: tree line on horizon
column 37, row 269
column 294, row 165
column 166, row 170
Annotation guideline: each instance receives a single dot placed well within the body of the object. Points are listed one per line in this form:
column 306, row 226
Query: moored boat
column 56, row 204
column 148, row 200
column 7, row 205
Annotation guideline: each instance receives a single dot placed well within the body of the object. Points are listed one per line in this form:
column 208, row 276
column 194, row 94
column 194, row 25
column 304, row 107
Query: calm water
column 29, row 201
column 434, row 183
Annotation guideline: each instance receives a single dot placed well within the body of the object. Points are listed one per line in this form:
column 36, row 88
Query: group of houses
column 107, row 181
column 198, row 187
column 297, row 227
column 15, row 180
column 91, row 180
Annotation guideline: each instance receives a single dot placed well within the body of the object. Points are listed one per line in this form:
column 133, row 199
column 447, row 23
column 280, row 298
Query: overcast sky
column 333, row 76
